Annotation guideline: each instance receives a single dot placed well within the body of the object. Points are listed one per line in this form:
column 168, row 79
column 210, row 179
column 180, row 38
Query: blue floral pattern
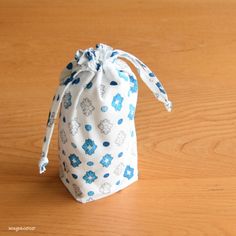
column 129, row 172
column 89, row 146
column 106, row 160
column 74, row 160
column 134, row 84
column 122, row 75
column 90, row 177
column 117, row 102
column 131, row 112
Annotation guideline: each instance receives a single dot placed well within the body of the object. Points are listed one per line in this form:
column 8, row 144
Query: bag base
column 86, row 199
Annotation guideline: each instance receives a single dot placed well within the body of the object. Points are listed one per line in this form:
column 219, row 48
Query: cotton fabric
column 96, row 101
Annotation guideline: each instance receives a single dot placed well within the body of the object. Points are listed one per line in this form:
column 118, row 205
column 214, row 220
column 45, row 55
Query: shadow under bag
column 96, row 101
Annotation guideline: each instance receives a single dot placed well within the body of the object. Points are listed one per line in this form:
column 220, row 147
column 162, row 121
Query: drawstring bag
column 96, row 101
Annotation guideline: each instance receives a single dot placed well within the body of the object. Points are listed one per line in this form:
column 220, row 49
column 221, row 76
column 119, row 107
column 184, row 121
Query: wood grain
column 187, row 158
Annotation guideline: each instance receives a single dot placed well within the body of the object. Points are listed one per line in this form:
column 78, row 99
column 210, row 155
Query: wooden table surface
column 187, row 158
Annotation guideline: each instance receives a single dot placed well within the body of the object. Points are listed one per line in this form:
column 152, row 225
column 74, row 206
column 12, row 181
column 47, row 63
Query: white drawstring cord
column 50, row 126
column 42, row 164
column 148, row 77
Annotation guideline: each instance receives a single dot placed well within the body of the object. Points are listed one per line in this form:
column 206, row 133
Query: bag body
column 96, row 101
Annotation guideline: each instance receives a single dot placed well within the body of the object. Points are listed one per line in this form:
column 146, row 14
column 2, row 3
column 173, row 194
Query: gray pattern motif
column 51, row 119
column 74, row 126
column 67, row 100
column 120, row 138
column 87, row 106
column 105, row 188
column 77, row 190
column 105, row 126
column 102, row 90
column 63, row 136
column 119, row 169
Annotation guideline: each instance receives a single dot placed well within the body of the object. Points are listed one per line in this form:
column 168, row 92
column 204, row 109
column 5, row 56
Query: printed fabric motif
column 105, row 126
column 134, row 84
column 89, row 146
column 106, row 160
column 51, row 117
column 67, row 100
column 102, row 90
column 120, row 138
column 105, row 188
column 77, row 190
column 74, row 126
column 87, row 106
column 74, row 160
column 90, row 177
column 63, row 136
column 131, row 112
column 117, row 102
column 129, row 172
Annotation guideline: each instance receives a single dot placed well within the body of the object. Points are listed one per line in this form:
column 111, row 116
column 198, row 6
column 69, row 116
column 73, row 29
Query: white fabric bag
column 97, row 98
